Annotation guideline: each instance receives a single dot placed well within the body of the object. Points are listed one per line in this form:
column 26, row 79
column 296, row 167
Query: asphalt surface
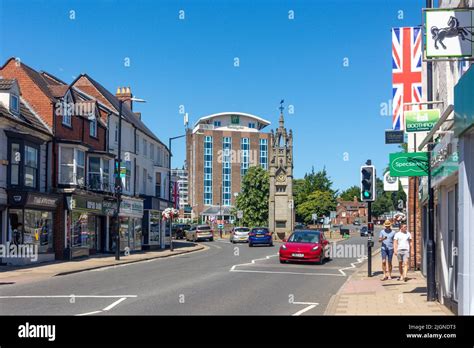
column 225, row 279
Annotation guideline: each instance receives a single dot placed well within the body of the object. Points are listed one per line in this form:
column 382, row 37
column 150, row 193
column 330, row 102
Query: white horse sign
column 449, row 33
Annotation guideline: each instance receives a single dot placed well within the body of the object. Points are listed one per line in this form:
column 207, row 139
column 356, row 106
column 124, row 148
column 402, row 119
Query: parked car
column 364, row 231
column 179, row 230
column 260, row 235
column 299, row 226
column 200, row 232
column 239, row 234
column 305, row 246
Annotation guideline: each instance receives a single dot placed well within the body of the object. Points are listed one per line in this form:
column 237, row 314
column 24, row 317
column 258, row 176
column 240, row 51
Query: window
column 244, row 151
column 159, row 156
column 128, row 172
column 226, row 171
column 208, row 170
column 116, row 133
column 217, row 123
column 15, row 164
column 264, row 153
column 32, row 227
column 31, row 166
column 72, row 166
column 252, row 125
column 67, row 112
column 14, row 104
column 152, row 152
column 93, row 127
column 145, row 147
column 145, row 178
column 235, row 119
column 137, row 144
column 158, row 185
column 95, row 177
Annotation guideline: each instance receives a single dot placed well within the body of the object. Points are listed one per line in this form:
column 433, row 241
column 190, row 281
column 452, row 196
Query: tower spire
column 281, row 120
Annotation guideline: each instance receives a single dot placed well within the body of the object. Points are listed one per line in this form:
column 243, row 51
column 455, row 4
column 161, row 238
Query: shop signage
column 131, row 207
column 444, row 159
column 409, row 164
column 394, row 137
column 43, row 201
column 87, row 203
column 34, row 200
column 448, row 33
column 109, row 207
column 390, row 183
column 421, row 120
column 464, row 103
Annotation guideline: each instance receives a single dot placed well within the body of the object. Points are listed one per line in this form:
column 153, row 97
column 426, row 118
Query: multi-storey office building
column 219, row 150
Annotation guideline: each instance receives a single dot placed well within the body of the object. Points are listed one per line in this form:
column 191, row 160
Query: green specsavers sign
column 409, row 164
column 421, row 120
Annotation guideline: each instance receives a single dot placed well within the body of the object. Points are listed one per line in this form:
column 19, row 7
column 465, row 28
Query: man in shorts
column 402, row 241
column 386, row 238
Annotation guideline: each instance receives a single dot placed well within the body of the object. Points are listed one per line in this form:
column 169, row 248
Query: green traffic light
column 366, row 194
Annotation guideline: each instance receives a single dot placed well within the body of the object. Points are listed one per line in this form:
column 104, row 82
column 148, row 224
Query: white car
column 239, row 234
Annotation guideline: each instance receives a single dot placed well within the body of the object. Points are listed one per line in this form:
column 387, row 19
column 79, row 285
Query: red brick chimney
column 124, row 93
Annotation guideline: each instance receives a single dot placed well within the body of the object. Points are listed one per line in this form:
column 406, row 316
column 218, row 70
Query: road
column 224, row 279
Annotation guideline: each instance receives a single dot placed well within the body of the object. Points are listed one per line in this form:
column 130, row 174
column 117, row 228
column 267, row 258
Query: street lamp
column 118, row 179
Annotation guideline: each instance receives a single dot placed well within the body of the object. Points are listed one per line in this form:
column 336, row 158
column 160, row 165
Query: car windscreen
column 260, row 230
column 304, row 237
column 242, row 229
column 204, row 228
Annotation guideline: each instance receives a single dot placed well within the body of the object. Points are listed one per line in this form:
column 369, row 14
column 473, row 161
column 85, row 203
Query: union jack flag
column 406, row 71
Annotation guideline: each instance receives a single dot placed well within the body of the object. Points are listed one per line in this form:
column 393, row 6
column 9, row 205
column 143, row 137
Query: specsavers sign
column 409, row 164
column 421, row 120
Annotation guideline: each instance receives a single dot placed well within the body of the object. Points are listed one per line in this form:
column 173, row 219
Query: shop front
column 153, row 225
column 29, row 223
column 85, row 226
column 130, row 224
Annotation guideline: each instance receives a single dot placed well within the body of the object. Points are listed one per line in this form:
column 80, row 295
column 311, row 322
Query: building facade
column 180, row 193
column 219, row 150
column 349, row 211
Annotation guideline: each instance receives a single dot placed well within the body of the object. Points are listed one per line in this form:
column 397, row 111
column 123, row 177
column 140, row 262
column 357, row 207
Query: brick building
column 349, row 211
column 219, row 150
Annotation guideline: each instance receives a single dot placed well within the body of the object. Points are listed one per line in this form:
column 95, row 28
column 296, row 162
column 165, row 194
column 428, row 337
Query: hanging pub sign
column 421, row 120
column 448, row 33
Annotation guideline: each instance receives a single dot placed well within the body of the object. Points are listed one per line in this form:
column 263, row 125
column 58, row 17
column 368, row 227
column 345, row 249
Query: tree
column 253, row 198
column 319, row 202
column 350, row 193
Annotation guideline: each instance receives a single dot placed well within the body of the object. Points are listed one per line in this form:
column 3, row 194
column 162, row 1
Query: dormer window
column 217, row 123
column 14, row 104
column 93, row 127
column 252, row 125
column 67, row 112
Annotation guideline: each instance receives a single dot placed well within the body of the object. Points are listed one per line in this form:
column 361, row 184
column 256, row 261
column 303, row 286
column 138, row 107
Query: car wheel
column 321, row 260
column 250, row 245
column 271, row 244
column 282, row 261
column 211, row 239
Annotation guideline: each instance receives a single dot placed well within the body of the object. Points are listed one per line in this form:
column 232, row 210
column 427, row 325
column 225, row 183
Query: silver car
column 239, row 234
column 200, row 232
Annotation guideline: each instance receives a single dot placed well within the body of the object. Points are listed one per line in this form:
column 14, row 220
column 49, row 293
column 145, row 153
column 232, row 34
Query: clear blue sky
column 190, row 62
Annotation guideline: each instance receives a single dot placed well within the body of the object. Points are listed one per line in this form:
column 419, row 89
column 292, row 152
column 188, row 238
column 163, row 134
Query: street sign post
column 394, row 137
column 409, row 164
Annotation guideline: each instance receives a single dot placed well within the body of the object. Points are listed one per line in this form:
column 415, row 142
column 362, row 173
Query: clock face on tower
column 281, row 177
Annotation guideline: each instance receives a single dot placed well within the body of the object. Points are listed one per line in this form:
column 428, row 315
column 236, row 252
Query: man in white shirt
column 401, row 248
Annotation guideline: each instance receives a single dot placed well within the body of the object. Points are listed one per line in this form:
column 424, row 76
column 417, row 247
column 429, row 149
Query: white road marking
column 251, row 262
column 109, row 307
column 88, row 313
column 304, row 310
column 215, row 246
column 352, row 265
column 284, row 272
column 69, row 296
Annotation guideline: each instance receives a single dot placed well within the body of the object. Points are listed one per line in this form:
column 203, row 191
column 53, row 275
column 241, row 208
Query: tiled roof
column 127, row 114
column 43, row 81
column 58, row 91
column 6, row 84
column 25, row 116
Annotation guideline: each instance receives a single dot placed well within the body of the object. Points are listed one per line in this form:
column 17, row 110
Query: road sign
column 240, row 214
column 390, row 183
column 421, row 120
column 409, row 164
column 394, row 137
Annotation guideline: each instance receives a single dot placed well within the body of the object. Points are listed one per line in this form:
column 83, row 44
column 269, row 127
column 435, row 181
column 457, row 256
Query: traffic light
column 367, row 183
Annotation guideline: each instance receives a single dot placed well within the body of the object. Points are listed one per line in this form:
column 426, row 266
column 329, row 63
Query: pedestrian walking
column 386, row 238
column 402, row 241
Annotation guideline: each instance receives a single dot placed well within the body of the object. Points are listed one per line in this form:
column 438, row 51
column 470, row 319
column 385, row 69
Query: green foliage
column 348, row 195
column 319, row 202
column 253, row 198
column 312, row 182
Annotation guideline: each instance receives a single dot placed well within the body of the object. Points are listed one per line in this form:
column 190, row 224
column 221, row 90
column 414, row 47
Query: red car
column 305, row 246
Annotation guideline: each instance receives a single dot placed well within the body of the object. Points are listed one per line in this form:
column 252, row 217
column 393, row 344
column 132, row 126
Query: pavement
column 364, row 295
column 42, row 271
column 221, row 279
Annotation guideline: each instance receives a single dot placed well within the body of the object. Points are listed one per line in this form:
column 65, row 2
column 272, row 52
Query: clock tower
column 281, row 207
